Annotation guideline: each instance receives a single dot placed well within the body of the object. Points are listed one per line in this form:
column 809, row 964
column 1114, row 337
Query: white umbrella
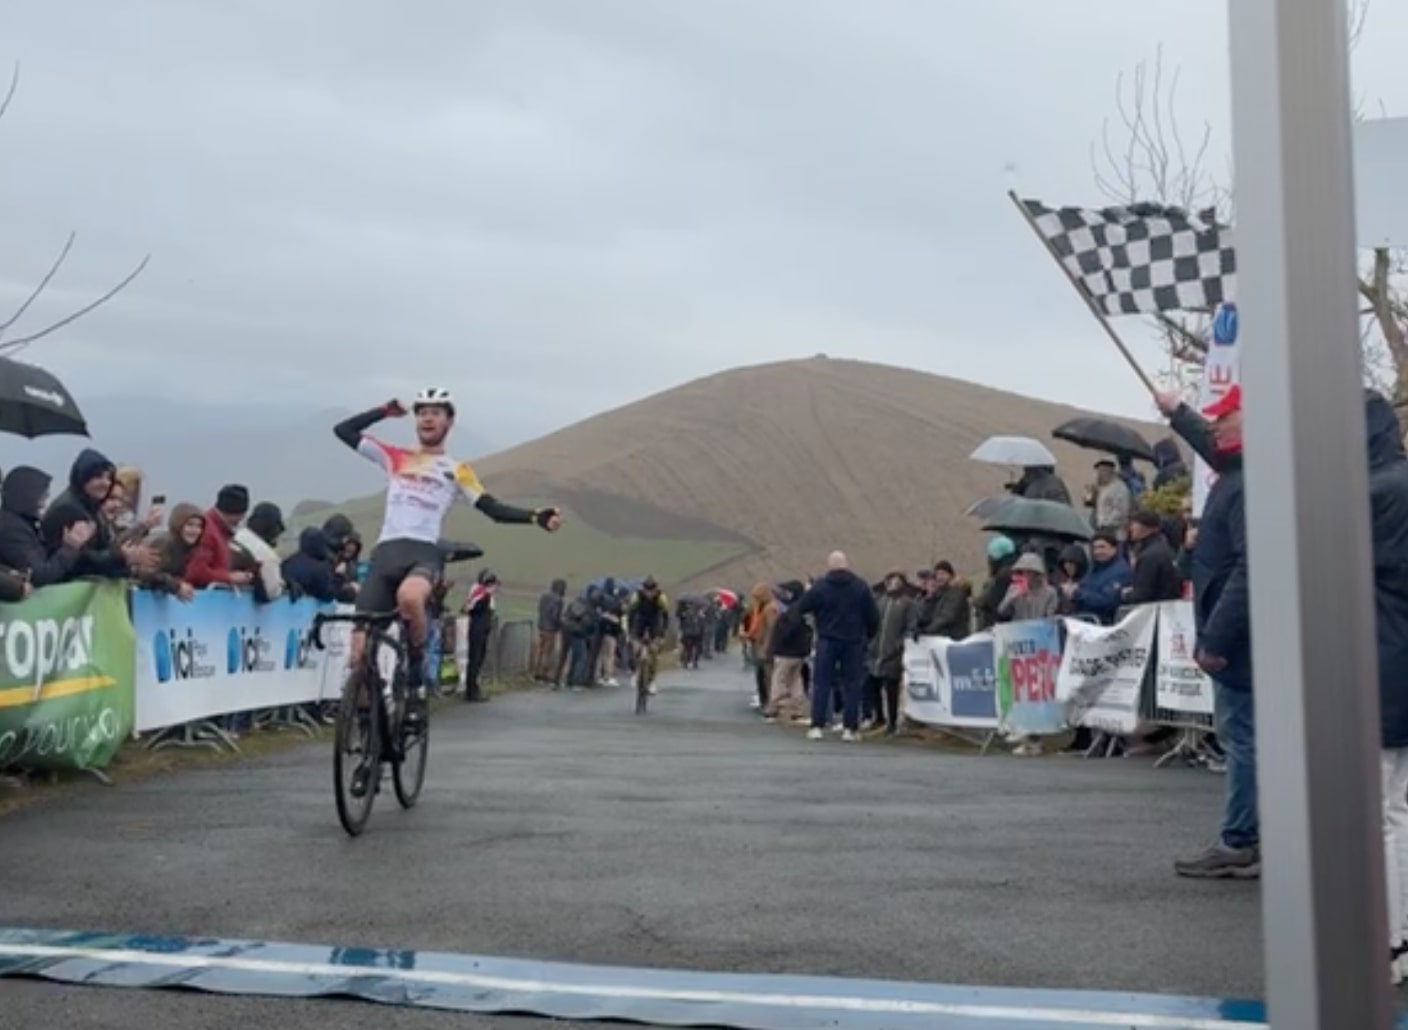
column 1013, row 450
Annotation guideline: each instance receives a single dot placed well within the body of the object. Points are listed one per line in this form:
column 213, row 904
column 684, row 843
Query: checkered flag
column 1141, row 259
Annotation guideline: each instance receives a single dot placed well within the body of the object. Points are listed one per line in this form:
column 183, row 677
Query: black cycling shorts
column 391, row 563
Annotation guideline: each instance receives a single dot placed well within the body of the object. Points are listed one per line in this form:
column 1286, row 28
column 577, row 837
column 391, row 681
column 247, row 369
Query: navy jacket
column 1100, row 592
column 1221, row 599
column 1388, row 498
column 843, row 608
column 309, row 572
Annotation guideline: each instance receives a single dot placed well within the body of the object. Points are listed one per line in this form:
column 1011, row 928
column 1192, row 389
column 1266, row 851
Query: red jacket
column 210, row 558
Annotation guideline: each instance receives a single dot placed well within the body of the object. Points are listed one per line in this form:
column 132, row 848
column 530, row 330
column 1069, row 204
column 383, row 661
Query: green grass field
column 528, row 559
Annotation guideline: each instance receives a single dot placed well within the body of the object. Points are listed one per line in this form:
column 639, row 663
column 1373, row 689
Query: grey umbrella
column 987, row 507
column 1022, row 516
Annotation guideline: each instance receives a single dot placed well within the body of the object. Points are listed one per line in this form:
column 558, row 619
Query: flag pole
column 1089, row 301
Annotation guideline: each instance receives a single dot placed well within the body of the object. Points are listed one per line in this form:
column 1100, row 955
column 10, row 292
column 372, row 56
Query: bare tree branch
column 43, row 284
column 11, row 347
column 11, row 91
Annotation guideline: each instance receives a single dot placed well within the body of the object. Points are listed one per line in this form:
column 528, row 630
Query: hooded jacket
column 1388, row 508
column 252, row 550
column 1041, row 483
column 1218, row 565
column 1101, row 592
column 100, row 556
column 885, row 659
column 791, row 635
column 762, row 617
column 309, row 572
column 21, row 546
column 174, row 552
column 947, row 612
column 550, row 607
column 842, row 607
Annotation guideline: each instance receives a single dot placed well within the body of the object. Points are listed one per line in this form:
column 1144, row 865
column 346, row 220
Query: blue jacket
column 1099, row 592
column 1388, row 499
column 843, row 607
column 1221, row 597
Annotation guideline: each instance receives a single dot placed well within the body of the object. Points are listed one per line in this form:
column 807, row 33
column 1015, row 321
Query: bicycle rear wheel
column 408, row 771
column 643, row 667
column 356, row 744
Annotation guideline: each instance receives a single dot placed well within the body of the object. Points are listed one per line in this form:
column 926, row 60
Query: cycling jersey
column 421, row 488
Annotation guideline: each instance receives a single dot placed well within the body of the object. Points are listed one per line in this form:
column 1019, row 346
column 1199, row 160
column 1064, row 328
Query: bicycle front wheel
column 408, row 771
column 356, row 753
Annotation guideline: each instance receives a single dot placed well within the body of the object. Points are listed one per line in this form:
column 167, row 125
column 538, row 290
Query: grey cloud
column 557, row 206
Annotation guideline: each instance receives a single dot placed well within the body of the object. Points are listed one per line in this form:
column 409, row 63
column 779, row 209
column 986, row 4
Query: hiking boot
column 1220, row 862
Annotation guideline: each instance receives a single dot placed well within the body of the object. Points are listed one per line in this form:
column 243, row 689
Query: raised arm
column 473, row 491
column 352, row 431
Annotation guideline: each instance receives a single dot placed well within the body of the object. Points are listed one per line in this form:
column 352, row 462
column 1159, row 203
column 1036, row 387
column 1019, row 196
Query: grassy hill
column 759, row 472
column 800, row 457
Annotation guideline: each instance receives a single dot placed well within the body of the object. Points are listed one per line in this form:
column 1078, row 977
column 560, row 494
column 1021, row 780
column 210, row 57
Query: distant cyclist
column 422, row 486
column 648, row 620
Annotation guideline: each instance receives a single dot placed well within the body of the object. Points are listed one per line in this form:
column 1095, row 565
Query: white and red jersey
column 421, row 488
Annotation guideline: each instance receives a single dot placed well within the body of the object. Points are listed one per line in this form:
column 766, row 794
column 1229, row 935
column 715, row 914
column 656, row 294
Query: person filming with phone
column 1030, row 595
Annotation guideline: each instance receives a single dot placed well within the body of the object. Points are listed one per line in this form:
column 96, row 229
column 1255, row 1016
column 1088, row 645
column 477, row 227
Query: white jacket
column 270, row 567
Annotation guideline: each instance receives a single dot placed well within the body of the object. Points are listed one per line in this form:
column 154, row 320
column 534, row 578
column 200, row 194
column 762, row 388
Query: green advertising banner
column 67, row 660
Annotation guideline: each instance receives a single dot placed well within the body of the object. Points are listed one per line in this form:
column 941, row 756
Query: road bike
column 372, row 729
column 647, row 653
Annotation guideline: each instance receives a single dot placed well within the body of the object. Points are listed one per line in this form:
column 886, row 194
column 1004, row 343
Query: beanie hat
column 1000, row 547
column 232, row 500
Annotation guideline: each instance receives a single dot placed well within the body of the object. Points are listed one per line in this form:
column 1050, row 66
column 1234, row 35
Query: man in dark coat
column 945, row 609
column 22, row 500
column 1155, row 577
column 843, row 608
column 1041, row 483
column 1388, row 509
column 885, row 663
column 1222, row 617
column 550, row 607
column 89, row 482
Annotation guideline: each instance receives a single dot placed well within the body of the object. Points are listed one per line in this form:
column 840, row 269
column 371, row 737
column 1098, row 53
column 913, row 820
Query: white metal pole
column 1307, row 518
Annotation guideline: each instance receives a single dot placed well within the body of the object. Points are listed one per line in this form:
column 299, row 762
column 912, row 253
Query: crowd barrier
column 84, row 666
column 1044, row 676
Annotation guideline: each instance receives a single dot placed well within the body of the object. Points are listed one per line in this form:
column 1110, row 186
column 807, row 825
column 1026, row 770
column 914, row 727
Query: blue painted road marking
column 558, row 990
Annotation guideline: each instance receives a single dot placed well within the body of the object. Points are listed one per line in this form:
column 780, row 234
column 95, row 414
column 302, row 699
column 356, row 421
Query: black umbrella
column 1021, row 516
column 34, row 403
column 1097, row 434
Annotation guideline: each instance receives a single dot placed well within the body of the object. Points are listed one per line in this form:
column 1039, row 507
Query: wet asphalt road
column 557, row 826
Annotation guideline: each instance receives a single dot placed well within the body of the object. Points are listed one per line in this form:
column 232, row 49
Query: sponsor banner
column 221, row 653
column 1179, row 685
column 65, row 677
column 951, row 682
column 1027, row 656
column 1220, row 374
column 1103, row 668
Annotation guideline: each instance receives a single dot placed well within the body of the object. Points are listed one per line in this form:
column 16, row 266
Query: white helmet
column 434, row 396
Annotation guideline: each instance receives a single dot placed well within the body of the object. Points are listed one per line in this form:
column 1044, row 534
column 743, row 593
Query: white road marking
column 869, row 1006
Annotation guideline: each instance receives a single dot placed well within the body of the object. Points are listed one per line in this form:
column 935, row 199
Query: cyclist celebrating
column 649, row 618
column 422, row 486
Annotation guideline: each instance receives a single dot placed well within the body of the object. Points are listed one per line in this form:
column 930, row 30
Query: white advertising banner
column 220, row 653
column 951, row 682
column 1102, row 669
column 1179, row 685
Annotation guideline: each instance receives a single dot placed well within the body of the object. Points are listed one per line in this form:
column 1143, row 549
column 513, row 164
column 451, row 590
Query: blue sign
column 974, row 680
column 1224, row 325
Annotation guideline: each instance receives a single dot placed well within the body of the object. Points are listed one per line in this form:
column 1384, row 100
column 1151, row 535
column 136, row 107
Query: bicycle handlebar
column 369, row 620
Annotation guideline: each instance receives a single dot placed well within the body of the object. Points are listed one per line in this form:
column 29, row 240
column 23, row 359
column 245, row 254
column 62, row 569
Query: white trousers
column 1395, row 772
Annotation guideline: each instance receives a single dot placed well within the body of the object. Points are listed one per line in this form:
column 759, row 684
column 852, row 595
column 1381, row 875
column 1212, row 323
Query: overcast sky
column 556, row 206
